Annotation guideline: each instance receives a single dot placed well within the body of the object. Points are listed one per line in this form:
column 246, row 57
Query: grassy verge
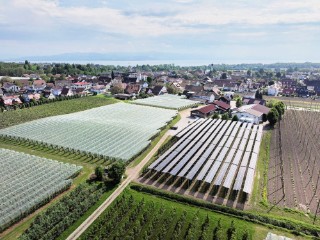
column 11, row 118
column 70, row 230
column 260, row 189
column 154, row 142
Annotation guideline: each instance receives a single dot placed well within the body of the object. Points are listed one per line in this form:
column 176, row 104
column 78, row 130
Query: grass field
column 144, row 216
column 11, row 118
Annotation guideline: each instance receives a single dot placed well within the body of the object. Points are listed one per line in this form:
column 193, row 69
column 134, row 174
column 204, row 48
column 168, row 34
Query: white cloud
column 179, row 25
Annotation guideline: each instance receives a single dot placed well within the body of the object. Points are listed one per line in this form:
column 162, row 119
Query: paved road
column 132, row 173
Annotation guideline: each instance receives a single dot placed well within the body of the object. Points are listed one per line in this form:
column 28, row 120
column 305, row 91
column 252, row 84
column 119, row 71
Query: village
column 231, row 93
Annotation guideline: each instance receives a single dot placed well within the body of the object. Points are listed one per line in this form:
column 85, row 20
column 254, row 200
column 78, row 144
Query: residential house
column 159, row 90
column 63, row 83
column 302, row 91
column 204, row 112
column 273, row 90
column 249, row 115
column 133, row 89
column 105, row 78
column 313, row 85
column 98, row 89
column 39, row 85
column 253, row 113
column 249, row 100
column 193, row 88
column 56, row 91
column 85, row 85
column 221, row 106
column 288, row 91
column 10, row 87
column 80, row 91
column 205, row 97
column 288, row 83
column 10, row 100
column 66, row 92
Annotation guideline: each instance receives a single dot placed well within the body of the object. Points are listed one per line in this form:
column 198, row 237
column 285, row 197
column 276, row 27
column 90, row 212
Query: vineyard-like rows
column 59, row 217
column 144, row 217
column 167, row 101
column 294, row 170
column 27, row 182
column 210, row 157
column 118, row 131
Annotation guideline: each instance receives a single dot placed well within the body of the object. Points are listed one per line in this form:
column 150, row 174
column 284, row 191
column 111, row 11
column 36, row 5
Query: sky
column 236, row 31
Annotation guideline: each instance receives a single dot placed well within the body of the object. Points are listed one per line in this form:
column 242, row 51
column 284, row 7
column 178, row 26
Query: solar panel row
column 189, row 127
column 188, row 151
column 221, row 152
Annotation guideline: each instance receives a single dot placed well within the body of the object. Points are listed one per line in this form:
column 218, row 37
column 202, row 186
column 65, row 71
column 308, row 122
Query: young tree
column 171, row 89
column 273, row 116
column 117, row 89
column 215, row 116
column 116, row 171
column 231, row 230
column 225, row 116
column 235, row 118
column 280, row 107
column 239, row 102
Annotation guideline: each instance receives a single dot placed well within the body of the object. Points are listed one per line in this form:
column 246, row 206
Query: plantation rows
column 11, row 118
column 167, row 101
column 132, row 217
column 27, row 182
column 117, row 131
column 56, row 219
column 294, row 170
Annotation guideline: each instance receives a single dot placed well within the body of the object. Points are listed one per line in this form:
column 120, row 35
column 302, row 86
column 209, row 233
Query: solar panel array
column 216, row 152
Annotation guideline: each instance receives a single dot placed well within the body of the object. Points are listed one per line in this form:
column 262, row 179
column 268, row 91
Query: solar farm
column 167, row 101
column 211, row 159
column 27, row 182
column 117, row 131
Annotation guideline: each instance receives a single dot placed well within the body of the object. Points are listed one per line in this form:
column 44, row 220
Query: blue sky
column 214, row 30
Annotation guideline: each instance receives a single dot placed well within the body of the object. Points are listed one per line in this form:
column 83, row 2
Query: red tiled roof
column 261, row 108
column 222, row 105
column 207, row 109
column 81, row 83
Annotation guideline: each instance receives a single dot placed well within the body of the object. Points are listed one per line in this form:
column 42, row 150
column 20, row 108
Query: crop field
column 140, row 216
column 167, row 101
column 11, row 118
column 294, row 168
column 212, row 159
column 28, row 182
column 117, row 131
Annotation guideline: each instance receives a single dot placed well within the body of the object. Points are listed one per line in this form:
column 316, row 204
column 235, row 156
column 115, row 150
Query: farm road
column 132, row 174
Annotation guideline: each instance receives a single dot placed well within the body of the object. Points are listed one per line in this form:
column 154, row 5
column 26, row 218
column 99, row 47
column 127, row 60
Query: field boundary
column 294, row 227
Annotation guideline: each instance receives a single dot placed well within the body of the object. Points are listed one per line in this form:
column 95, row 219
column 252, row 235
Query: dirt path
column 132, row 174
